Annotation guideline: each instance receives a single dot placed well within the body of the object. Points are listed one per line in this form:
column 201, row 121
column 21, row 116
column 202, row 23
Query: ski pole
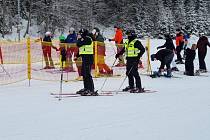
column 63, row 58
column 61, row 82
column 107, row 77
column 125, row 79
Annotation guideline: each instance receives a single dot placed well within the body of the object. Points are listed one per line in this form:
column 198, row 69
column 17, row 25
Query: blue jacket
column 71, row 38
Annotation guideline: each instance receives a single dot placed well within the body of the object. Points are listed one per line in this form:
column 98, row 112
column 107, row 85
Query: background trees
column 152, row 17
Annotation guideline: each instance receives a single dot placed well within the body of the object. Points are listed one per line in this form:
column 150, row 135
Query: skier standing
column 134, row 51
column 190, row 54
column 71, row 40
column 119, row 43
column 202, row 50
column 85, row 45
column 179, row 46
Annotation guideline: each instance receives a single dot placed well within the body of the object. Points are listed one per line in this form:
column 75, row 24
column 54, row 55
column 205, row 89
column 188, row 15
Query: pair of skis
column 103, row 93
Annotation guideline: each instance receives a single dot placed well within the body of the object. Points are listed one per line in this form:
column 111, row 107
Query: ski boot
column 89, row 93
column 128, row 88
column 169, row 75
column 81, row 91
column 156, row 74
column 94, row 93
column 203, row 71
column 137, row 90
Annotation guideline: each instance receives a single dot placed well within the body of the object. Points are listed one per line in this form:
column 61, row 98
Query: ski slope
column 180, row 110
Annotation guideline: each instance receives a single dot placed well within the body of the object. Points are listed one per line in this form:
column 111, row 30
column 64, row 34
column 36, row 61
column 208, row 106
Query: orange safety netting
column 42, row 61
column 13, row 66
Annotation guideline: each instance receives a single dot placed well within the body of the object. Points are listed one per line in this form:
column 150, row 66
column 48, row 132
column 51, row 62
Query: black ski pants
column 178, row 53
column 167, row 61
column 86, row 73
column 132, row 73
column 201, row 57
column 189, row 65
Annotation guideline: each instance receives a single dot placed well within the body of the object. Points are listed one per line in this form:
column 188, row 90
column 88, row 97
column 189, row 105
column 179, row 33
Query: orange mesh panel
column 14, row 68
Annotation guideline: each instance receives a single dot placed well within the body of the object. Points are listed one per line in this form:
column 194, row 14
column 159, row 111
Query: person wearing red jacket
column 119, row 43
column 179, row 46
column 202, row 50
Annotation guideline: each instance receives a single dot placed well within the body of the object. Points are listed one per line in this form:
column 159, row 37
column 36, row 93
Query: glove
column 117, row 56
column 110, row 39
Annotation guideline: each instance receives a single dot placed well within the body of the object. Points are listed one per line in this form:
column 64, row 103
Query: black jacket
column 202, row 44
column 161, row 54
column 86, row 58
column 47, row 39
column 168, row 44
column 138, row 45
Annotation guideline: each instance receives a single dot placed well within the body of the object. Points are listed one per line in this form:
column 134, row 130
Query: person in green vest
column 134, row 51
column 85, row 45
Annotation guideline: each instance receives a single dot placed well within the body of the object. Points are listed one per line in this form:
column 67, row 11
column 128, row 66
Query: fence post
column 149, row 69
column 1, row 57
column 29, row 59
column 96, row 59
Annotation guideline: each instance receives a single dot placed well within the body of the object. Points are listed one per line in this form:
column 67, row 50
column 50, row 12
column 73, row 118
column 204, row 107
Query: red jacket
column 179, row 40
column 118, row 37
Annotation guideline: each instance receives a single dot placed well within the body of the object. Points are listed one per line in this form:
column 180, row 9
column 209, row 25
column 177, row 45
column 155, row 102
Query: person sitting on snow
column 165, row 56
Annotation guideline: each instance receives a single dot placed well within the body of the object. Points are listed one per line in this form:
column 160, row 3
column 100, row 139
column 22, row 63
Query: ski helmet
column 83, row 32
column 130, row 33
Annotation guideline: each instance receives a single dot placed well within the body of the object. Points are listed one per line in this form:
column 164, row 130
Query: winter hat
column 48, row 33
column 71, row 29
column 153, row 57
column 94, row 31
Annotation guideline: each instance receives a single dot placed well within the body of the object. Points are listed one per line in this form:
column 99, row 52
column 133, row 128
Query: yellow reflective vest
column 130, row 50
column 86, row 49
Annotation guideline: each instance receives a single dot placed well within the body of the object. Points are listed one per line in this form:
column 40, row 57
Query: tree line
column 147, row 17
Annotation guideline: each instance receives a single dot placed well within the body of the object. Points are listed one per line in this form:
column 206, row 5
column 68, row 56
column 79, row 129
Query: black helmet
column 83, row 32
column 97, row 29
column 130, row 33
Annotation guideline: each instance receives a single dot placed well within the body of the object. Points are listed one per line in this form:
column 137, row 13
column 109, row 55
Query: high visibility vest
column 86, row 49
column 130, row 50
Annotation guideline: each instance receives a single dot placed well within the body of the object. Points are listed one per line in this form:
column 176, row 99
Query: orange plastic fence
column 15, row 61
